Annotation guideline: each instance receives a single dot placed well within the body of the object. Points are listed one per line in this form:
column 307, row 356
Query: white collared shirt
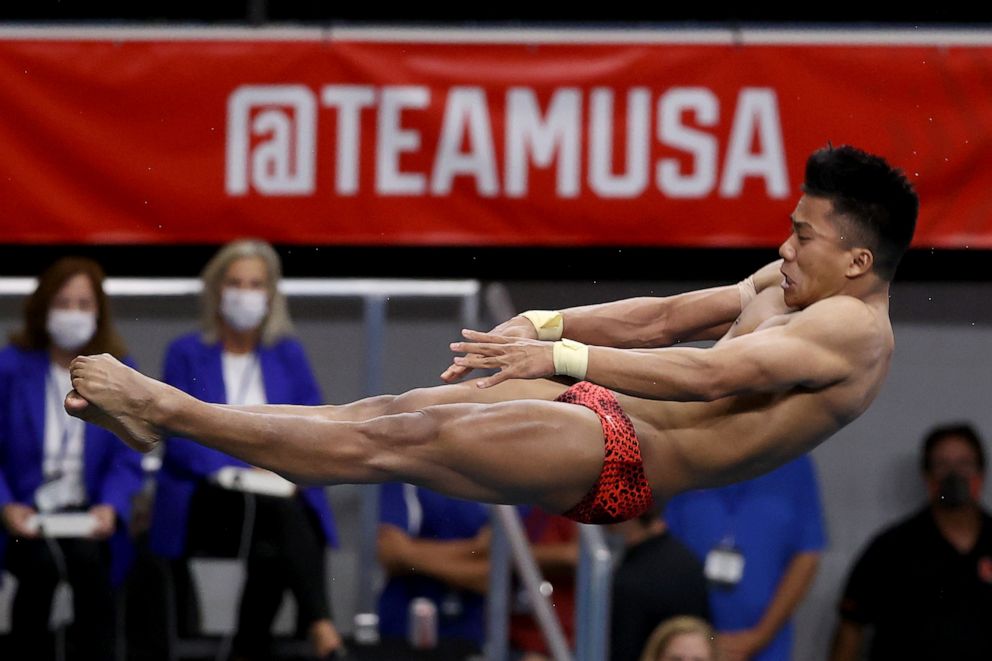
column 64, row 439
column 243, row 379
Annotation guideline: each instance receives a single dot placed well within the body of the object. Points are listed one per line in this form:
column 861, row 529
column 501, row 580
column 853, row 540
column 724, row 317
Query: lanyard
column 732, row 497
column 724, row 564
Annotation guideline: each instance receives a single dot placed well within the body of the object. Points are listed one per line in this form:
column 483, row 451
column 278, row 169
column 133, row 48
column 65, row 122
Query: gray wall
column 868, row 477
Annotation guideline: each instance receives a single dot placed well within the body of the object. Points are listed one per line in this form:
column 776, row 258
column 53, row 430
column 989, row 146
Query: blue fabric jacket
column 195, row 367
column 111, row 470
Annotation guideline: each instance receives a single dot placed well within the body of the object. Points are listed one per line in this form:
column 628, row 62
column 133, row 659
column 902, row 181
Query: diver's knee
column 401, row 430
column 410, row 401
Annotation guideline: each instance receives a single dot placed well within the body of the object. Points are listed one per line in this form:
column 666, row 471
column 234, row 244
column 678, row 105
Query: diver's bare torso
column 700, row 444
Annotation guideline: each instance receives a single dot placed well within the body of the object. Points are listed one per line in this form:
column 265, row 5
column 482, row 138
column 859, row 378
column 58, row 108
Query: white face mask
column 70, row 329
column 243, row 309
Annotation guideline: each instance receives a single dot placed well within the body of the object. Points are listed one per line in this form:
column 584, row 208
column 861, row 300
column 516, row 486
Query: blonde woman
column 245, row 355
column 683, row 638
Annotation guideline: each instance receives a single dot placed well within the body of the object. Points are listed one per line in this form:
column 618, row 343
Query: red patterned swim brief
column 622, row 490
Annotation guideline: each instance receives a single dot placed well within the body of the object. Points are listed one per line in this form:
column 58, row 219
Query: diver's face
column 815, row 256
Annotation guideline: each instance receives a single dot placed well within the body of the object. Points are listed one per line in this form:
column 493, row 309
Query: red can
column 422, row 624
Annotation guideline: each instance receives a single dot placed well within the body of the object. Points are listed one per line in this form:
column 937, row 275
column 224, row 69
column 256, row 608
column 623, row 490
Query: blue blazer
column 195, row 367
column 111, row 470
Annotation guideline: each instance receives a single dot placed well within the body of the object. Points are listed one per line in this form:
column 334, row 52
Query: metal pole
column 530, row 575
column 375, row 340
column 375, row 343
column 594, row 583
column 498, row 600
column 582, row 607
column 470, row 312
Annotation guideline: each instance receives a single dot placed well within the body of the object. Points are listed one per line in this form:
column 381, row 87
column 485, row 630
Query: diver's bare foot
column 110, row 394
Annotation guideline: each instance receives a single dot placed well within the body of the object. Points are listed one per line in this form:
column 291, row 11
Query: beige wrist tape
column 571, row 358
column 548, row 323
column 747, row 290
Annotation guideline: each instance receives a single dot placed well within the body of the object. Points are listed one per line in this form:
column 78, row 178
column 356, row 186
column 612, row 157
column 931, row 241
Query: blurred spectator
column 683, row 638
column 924, row 585
column 209, row 503
column 555, row 544
column 438, row 547
column 435, row 547
column 52, row 463
column 761, row 542
column 657, row 579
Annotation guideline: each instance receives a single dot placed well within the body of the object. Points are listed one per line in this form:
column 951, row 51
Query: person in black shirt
column 658, row 578
column 925, row 584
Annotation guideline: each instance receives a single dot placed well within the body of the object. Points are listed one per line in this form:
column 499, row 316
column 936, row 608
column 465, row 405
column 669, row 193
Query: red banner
column 481, row 138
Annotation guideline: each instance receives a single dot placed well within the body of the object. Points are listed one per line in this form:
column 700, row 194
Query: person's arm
column 119, row 484
column 6, row 374
column 645, row 321
column 848, row 641
column 461, row 563
column 14, row 515
column 15, row 519
column 556, row 558
column 742, row 645
column 818, row 346
column 661, row 322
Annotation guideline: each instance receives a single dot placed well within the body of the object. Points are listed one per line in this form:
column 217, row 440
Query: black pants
column 286, row 551
column 87, row 564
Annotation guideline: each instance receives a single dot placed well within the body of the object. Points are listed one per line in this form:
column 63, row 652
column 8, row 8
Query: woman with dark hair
column 209, row 503
column 53, row 464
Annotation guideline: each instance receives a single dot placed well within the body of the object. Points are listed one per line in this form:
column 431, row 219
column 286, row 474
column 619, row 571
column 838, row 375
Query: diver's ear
column 862, row 259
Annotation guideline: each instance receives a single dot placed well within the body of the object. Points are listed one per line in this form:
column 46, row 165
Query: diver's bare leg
column 413, row 400
column 527, row 451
